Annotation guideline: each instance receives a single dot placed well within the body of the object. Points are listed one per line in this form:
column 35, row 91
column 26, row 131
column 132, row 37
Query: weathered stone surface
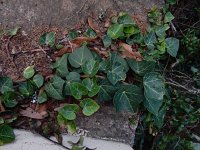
column 107, row 124
column 65, row 13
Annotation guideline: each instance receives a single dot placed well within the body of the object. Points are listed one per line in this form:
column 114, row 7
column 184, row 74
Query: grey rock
column 64, row 13
column 109, row 125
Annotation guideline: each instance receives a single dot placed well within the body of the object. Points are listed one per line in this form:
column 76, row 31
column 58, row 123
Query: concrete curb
column 26, row 140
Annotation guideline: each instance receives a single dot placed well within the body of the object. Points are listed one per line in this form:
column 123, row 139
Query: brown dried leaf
column 62, row 51
column 128, row 52
column 30, row 113
column 79, row 40
column 98, row 51
column 93, row 24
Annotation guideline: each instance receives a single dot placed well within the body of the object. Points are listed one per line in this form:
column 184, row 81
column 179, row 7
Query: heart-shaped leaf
column 54, row 88
column 126, row 20
column 78, row 90
column 73, row 76
column 69, row 124
column 115, row 31
column 6, row 84
column 89, row 106
column 9, row 99
column 91, row 86
column 6, row 134
column 42, row 98
column 107, row 41
column 38, row 80
column 172, row 46
column 160, row 30
column 154, row 90
column 116, row 73
column 26, row 89
column 128, row 98
column 106, row 91
column 141, row 67
column 150, row 40
column 152, row 105
column 69, row 111
column 29, row 72
column 48, row 39
column 136, row 39
column 90, row 67
column 168, row 17
column 79, row 57
column 12, row 32
column 116, row 58
column 90, row 33
column 131, row 30
column 159, row 119
column 73, row 34
column 61, row 66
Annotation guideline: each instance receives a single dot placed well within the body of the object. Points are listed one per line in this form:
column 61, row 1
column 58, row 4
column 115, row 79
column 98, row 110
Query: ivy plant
column 89, row 79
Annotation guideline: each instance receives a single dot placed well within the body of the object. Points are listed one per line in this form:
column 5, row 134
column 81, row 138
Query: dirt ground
column 24, row 50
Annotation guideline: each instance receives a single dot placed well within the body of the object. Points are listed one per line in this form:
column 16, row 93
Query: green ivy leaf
column 54, row 88
column 79, row 57
column 9, row 99
column 90, row 33
column 115, row 31
column 131, row 30
column 59, row 46
column 73, row 76
column 26, row 89
column 12, row 32
column 61, row 66
column 154, row 86
column 116, row 73
column 150, row 40
column 6, row 134
column 172, row 46
column 78, row 90
column 89, row 106
column 1, row 121
column 136, row 39
column 66, row 89
column 91, row 86
column 128, row 98
column 141, row 67
column 116, row 58
column 159, row 119
column 171, row 2
column 152, row 105
column 42, row 98
column 160, row 30
column 69, row 124
column 29, row 72
column 168, row 17
column 73, row 34
column 48, row 39
column 38, row 80
column 6, row 84
column 106, row 91
column 90, row 67
column 69, row 111
column 154, row 90
column 126, row 20
column 107, row 41
column 154, row 16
